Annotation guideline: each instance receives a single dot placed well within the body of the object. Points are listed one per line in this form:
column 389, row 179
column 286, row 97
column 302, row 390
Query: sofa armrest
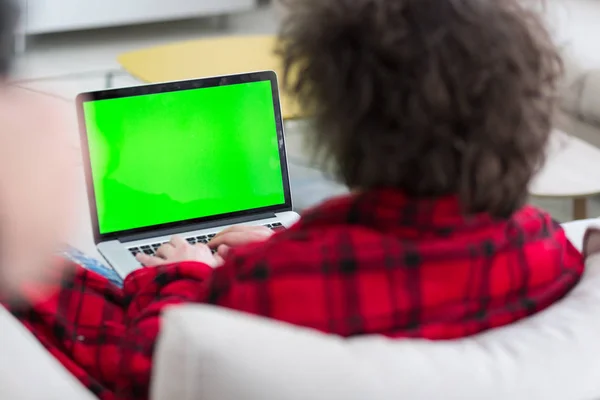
column 575, row 230
column 28, row 371
column 589, row 101
column 210, row 353
column 580, row 91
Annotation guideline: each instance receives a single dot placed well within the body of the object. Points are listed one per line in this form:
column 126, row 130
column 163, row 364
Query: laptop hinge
column 194, row 227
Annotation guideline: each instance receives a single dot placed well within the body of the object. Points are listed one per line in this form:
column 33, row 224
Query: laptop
column 188, row 158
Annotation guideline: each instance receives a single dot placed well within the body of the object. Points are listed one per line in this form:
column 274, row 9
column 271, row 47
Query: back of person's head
column 431, row 97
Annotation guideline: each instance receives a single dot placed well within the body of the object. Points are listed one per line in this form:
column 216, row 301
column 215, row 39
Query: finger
column 178, row 241
column 219, row 260
column 149, row 261
column 245, row 228
column 234, row 239
column 202, row 248
column 223, row 250
column 203, row 254
column 166, row 251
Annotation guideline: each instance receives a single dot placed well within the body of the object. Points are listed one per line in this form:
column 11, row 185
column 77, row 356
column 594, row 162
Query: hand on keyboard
column 179, row 250
column 239, row 236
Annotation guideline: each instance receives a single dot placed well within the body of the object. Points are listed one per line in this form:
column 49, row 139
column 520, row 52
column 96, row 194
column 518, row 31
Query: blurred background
column 70, row 46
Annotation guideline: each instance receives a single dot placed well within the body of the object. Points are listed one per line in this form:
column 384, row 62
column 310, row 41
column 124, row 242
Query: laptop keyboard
column 150, row 249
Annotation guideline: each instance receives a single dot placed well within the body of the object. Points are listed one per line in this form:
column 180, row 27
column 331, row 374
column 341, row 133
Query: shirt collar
column 392, row 211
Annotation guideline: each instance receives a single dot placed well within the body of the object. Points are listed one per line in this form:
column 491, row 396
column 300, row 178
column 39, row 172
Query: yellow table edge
column 137, row 63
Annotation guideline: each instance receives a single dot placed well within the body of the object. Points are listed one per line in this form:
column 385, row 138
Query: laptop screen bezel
column 173, row 87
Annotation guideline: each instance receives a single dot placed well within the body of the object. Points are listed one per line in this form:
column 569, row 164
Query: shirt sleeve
column 148, row 292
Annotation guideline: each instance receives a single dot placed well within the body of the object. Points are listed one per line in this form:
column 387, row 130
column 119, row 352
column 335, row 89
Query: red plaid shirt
column 375, row 263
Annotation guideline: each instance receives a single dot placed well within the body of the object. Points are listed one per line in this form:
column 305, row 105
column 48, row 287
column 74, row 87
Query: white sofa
column 580, row 103
column 28, row 372
column 208, row 353
column 575, row 24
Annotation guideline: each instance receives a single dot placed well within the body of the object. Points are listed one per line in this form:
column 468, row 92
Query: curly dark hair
column 431, row 97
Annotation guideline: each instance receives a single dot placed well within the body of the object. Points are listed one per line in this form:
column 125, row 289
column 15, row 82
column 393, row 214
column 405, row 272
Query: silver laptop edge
column 117, row 250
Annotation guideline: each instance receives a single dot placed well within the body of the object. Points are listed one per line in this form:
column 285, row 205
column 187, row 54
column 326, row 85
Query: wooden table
column 572, row 171
column 209, row 57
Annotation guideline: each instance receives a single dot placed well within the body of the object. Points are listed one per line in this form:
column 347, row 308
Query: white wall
column 44, row 16
column 577, row 22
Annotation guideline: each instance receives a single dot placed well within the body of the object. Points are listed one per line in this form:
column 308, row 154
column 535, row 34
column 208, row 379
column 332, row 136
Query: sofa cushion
column 28, row 371
column 580, row 88
column 576, row 230
column 572, row 81
column 589, row 104
column 210, row 353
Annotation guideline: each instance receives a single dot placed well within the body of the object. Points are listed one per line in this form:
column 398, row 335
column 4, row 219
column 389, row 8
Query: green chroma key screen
column 176, row 156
